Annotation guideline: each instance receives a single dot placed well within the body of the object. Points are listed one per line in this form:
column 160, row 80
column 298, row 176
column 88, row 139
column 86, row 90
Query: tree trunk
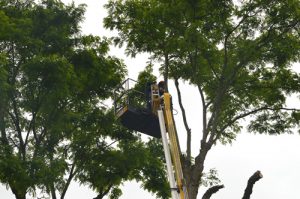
column 21, row 196
column 194, row 173
column 193, row 191
column 53, row 194
column 18, row 193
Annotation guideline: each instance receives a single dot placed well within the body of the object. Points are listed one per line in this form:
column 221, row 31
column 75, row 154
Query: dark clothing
column 161, row 88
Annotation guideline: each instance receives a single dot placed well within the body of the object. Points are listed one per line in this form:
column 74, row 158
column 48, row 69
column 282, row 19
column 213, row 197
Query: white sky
column 277, row 157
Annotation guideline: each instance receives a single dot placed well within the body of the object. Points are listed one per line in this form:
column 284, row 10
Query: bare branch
column 211, row 191
column 204, row 113
column 252, row 180
column 187, row 128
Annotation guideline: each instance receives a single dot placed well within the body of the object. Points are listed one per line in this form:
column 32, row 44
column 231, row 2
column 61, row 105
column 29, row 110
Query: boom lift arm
column 173, row 142
column 150, row 122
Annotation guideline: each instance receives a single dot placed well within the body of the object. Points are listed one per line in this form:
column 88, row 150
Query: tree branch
column 252, row 180
column 71, row 176
column 29, row 127
column 18, row 130
column 13, row 142
column 103, row 192
column 211, row 191
column 204, row 114
column 2, row 126
column 253, row 112
column 52, row 190
column 187, row 128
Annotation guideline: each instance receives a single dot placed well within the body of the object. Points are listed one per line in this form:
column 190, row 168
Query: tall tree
column 238, row 55
column 54, row 125
column 52, row 81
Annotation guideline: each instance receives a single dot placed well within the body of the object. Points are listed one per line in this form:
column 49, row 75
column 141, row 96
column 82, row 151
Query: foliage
column 53, row 81
column 141, row 89
column 54, row 126
column 154, row 177
column 210, row 178
column 238, row 54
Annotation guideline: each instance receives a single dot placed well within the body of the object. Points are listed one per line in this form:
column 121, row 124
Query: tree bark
column 252, row 180
column 211, row 191
column 194, row 179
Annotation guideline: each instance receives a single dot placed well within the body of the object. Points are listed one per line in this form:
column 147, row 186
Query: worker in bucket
column 161, row 88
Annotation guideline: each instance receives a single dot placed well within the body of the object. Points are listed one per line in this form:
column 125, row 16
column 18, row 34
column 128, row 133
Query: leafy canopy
column 239, row 54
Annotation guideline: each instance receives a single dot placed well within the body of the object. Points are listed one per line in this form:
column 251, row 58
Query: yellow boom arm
column 175, row 152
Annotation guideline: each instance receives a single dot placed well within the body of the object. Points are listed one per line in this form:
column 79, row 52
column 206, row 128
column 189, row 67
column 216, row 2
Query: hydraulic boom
column 157, row 121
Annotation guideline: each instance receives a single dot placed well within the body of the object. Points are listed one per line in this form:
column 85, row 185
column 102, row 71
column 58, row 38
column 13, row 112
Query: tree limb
column 2, row 126
column 71, row 176
column 204, row 112
column 52, row 190
column 252, row 180
column 103, row 192
column 187, row 128
column 29, row 127
column 13, row 142
column 211, row 191
column 253, row 112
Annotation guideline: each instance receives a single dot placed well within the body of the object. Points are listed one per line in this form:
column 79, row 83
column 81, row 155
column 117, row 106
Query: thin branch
column 240, row 23
column 29, row 128
column 10, row 139
column 71, row 176
column 212, row 69
column 242, row 116
column 252, row 180
column 208, row 103
column 2, row 126
column 211, row 191
column 225, row 81
column 187, row 128
column 253, row 112
column 245, row 17
column 204, row 113
column 18, row 129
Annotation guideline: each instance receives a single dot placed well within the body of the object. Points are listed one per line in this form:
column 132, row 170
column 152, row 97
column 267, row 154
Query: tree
column 51, row 80
column 54, row 124
column 238, row 55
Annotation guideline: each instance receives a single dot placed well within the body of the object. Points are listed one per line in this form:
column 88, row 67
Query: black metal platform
column 140, row 120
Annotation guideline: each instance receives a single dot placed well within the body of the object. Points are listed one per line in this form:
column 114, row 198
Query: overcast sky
column 277, row 157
